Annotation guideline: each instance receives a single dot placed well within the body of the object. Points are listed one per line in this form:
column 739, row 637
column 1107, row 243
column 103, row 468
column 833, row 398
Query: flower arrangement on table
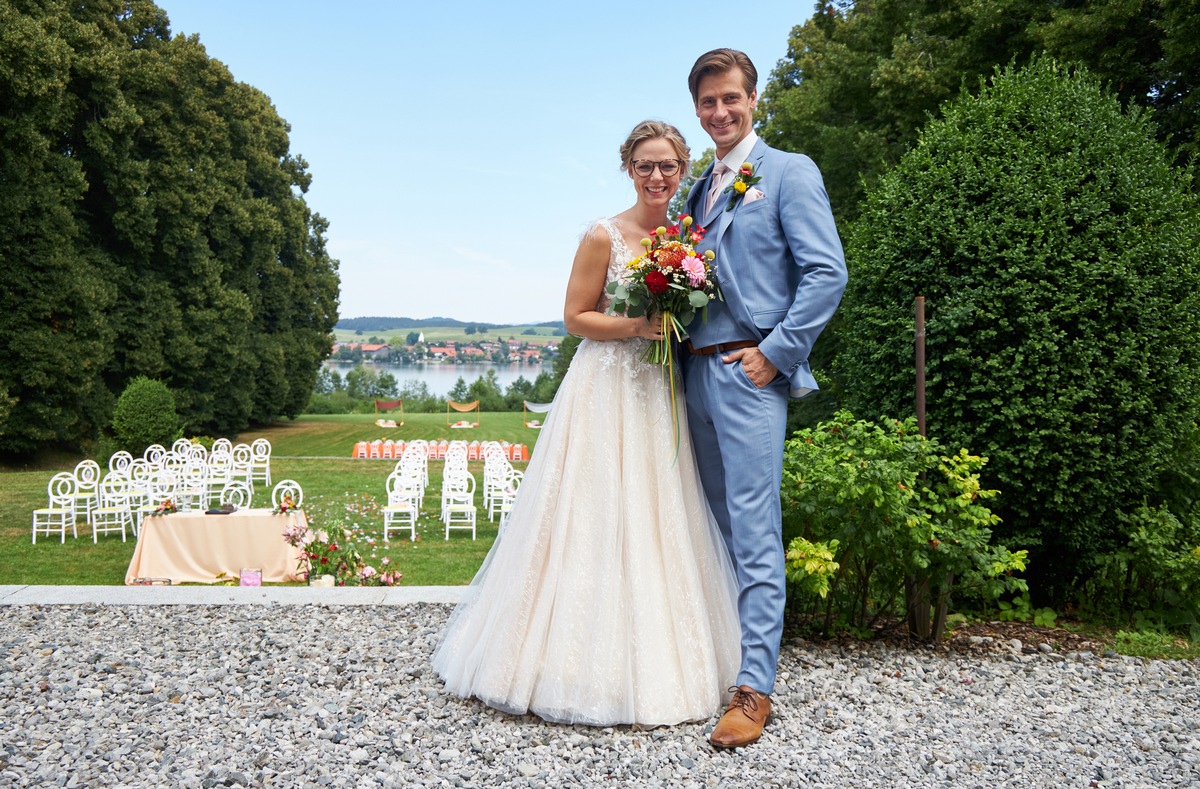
column 287, row 504
column 166, row 507
column 671, row 278
column 331, row 551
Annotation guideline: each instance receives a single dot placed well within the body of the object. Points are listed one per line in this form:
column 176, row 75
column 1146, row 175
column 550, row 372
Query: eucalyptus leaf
column 636, row 310
column 698, row 299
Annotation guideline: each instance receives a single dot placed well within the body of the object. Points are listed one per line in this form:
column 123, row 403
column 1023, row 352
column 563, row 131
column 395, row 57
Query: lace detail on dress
column 614, row 352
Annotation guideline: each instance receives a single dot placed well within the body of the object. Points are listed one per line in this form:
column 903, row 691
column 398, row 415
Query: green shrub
column 1153, row 580
column 877, row 514
column 1057, row 248
column 144, row 415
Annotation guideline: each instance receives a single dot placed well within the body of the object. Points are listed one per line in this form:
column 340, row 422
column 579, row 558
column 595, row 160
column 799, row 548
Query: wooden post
column 917, row 589
column 920, row 338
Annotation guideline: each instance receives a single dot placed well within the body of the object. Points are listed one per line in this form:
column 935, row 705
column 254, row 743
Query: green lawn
column 314, row 451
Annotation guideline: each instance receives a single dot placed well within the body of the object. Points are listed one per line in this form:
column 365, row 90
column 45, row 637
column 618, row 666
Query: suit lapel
column 695, row 201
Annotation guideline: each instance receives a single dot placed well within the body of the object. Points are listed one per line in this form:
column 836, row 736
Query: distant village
column 500, row 351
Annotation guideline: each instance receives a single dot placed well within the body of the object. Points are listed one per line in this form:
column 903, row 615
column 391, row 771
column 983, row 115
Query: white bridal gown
column 609, row 597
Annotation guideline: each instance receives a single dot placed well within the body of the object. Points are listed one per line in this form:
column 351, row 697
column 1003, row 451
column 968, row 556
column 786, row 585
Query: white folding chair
column 287, row 488
column 182, row 446
column 260, row 461
column 87, row 478
column 239, row 494
column 113, row 512
column 192, row 491
column 508, row 495
column 61, row 510
column 154, row 454
column 222, row 445
column 243, row 460
column 120, row 461
column 220, row 473
column 458, row 503
column 401, row 510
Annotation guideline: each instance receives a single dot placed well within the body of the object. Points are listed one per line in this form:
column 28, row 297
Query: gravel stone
column 342, row 696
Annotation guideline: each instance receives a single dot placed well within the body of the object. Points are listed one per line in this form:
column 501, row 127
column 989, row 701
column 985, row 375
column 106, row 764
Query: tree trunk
column 917, row 597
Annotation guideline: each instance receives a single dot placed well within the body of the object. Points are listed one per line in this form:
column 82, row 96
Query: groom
column 782, row 272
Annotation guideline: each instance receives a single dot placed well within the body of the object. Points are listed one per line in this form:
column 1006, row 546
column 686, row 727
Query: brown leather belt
column 722, row 347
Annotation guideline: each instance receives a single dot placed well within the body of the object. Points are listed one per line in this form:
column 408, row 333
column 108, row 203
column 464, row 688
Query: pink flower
column 694, row 267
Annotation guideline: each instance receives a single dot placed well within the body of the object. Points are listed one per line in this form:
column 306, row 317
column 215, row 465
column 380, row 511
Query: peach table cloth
column 191, row 547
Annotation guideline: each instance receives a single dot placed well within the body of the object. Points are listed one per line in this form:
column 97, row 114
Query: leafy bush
column 902, row 519
column 1153, row 580
column 144, row 415
column 1057, row 248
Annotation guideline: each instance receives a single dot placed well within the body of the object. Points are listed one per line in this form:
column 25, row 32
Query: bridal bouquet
column 671, row 278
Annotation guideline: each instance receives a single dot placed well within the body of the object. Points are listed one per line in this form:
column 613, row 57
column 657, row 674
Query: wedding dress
column 609, row 597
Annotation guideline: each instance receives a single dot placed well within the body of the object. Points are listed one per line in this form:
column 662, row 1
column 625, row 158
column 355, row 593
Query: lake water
column 440, row 378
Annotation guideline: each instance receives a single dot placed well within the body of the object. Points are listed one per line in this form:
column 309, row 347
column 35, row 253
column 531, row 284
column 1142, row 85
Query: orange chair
column 360, row 450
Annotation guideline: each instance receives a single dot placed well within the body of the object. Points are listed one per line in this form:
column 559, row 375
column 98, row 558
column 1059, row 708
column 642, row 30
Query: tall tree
column 53, row 289
column 178, row 213
column 860, row 78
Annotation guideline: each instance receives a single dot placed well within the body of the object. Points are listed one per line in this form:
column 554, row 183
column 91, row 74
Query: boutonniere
column 744, row 179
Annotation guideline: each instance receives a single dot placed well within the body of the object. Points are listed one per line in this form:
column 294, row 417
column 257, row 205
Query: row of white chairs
column 458, row 490
column 251, row 462
column 406, row 485
column 406, row 490
column 500, row 483
column 121, row 503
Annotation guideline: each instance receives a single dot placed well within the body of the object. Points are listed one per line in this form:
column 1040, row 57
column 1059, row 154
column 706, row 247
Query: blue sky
column 458, row 149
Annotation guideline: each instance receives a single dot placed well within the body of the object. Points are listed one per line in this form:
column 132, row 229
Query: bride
column 609, row 597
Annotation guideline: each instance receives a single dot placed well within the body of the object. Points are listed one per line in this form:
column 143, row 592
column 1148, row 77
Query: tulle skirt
column 609, row 597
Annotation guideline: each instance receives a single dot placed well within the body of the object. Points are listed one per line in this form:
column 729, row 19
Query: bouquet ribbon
column 659, row 352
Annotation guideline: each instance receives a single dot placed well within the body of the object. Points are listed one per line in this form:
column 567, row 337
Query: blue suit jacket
column 779, row 261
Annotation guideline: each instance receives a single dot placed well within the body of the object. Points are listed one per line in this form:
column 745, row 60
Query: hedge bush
column 1057, row 248
column 144, row 415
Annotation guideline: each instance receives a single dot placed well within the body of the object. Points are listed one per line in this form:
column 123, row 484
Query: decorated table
column 193, row 547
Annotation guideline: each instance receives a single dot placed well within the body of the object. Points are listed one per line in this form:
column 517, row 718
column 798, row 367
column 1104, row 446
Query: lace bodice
column 618, row 256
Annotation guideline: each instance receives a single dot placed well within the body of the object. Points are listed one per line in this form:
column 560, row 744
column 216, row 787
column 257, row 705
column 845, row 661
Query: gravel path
column 342, row 696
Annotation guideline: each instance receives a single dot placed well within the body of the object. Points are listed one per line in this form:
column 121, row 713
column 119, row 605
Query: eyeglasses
column 668, row 167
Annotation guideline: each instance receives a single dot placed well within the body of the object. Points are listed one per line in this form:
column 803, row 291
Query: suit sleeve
column 816, row 250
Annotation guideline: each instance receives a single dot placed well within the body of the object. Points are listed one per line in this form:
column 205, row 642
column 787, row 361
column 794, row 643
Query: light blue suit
column 782, row 271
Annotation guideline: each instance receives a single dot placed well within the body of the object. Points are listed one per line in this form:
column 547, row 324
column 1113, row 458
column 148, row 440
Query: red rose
column 656, row 281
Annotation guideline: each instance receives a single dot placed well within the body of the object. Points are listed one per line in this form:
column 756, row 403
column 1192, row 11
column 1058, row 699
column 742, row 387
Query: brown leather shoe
column 743, row 720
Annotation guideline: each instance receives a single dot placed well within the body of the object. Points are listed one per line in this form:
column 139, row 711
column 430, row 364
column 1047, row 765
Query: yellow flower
column 647, row 243
column 739, row 187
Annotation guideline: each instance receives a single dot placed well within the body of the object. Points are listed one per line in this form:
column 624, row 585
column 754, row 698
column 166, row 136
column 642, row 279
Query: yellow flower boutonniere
column 744, row 179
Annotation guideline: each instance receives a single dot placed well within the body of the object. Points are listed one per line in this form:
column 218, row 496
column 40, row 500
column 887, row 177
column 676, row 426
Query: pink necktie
column 718, row 175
